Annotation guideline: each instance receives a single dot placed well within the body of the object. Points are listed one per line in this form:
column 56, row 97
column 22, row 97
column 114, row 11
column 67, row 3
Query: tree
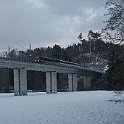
column 56, row 53
column 80, row 36
column 13, row 54
column 115, row 24
column 93, row 36
column 115, row 31
column 115, row 73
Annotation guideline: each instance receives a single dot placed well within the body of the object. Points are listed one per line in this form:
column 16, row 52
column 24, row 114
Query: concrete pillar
column 20, row 82
column 72, row 81
column 48, row 82
column 23, row 81
column 54, row 82
column 87, row 82
column 16, row 82
column 51, row 82
column 84, row 82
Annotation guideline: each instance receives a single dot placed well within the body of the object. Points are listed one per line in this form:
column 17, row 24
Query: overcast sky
column 47, row 22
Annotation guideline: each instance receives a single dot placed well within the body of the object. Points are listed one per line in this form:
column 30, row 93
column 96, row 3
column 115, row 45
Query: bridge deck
column 58, row 67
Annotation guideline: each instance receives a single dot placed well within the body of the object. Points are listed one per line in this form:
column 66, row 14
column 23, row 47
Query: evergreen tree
column 115, row 74
column 56, row 52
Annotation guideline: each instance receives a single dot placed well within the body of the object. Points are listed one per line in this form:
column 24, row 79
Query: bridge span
column 20, row 69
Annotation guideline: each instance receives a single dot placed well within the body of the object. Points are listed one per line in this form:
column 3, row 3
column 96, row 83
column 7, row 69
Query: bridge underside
column 21, row 81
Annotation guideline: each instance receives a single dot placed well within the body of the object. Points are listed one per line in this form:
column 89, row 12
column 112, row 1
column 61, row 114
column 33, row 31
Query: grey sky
column 46, row 22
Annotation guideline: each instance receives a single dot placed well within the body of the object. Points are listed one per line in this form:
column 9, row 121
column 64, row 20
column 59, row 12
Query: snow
column 87, row 107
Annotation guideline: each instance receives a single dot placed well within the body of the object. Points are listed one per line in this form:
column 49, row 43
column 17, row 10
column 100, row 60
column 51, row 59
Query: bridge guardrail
column 73, row 65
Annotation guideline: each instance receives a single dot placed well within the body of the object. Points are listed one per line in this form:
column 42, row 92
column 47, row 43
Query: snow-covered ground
column 91, row 107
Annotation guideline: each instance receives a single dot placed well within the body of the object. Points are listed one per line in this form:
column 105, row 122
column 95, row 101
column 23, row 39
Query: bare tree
column 115, row 23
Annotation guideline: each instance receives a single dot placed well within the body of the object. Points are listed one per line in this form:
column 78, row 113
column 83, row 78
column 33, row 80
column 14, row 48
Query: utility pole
column 30, row 46
column 8, row 49
column 90, row 47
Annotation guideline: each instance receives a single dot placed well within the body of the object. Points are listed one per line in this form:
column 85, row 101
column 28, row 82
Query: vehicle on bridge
column 42, row 59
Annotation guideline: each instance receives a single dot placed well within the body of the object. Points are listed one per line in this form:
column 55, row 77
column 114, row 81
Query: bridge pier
column 72, row 81
column 20, row 82
column 87, row 82
column 51, row 82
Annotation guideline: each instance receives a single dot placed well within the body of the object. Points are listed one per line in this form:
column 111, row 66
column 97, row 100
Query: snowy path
column 91, row 107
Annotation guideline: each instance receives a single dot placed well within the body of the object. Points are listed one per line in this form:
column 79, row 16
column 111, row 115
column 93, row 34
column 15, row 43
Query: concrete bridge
column 20, row 74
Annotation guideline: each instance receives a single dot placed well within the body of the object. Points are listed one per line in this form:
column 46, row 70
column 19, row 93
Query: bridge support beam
column 51, row 82
column 72, row 81
column 20, row 82
column 87, row 82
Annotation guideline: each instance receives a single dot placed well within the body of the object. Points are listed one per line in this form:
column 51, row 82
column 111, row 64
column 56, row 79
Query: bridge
column 20, row 69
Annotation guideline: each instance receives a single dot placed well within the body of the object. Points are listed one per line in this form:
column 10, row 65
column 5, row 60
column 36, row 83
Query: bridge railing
column 70, row 64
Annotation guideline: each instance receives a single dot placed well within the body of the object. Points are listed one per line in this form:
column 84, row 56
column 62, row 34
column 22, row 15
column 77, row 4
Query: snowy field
column 93, row 107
